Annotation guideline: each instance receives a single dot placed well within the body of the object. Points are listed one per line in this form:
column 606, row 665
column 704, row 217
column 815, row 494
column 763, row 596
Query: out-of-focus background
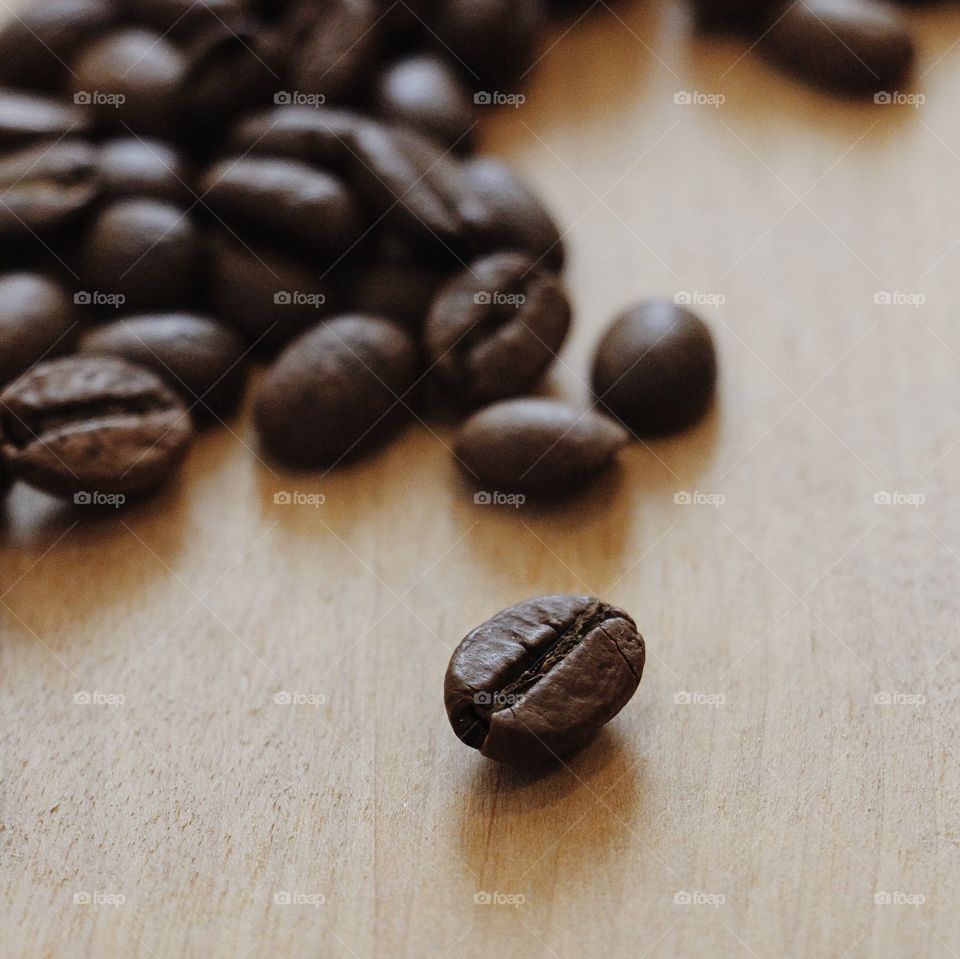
column 222, row 721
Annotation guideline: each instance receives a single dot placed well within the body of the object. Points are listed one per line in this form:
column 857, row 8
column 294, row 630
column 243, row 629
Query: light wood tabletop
column 223, row 730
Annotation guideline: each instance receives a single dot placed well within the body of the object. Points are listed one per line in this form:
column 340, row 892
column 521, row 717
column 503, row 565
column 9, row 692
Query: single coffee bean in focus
column 539, row 680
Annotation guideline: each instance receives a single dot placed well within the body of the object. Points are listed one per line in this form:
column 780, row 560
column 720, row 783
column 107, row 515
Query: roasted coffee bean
column 336, row 391
column 137, row 167
column 536, row 446
column 92, row 424
column 26, row 117
column 181, row 18
column 424, row 92
column 493, row 41
column 656, row 369
column 724, row 15
column 146, row 251
column 267, row 297
column 201, row 359
column 857, row 47
column 399, row 290
column 495, row 328
column 540, row 680
column 130, row 80
column 45, row 186
column 285, row 198
column 36, row 319
column 38, row 43
column 334, row 43
column 509, row 216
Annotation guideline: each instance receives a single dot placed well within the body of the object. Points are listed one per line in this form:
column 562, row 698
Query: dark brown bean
column 656, row 369
column 27, row 117
column 92, row 424
column 536, row 446
column 201, row 359
column 401, row 290
column 180, row 18
column 36, row 317
column 723, row 15
column 138, row 167
column 494, row 329
column 857, row 47
column 336, row 391
column 539, row 680
column 424, row 92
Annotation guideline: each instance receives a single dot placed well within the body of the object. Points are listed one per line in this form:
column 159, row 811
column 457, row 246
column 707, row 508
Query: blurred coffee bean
column 494, row 329
column 509, row 215
column 177, row 19
column 37, row 45
column 334, row 43
column 46, row 186
column 133, row 166
column 336, row 391
column 36, row 318
column 536, row 446
column 145, row 251
column 856, row 47
column 656, row 369
column 27, row 117
column 724, row 15
column 200, row 358
column 267, row 297
column 424, row 92
column 92, row 424
column 492, row 41
column 130, row 80
column 399, row 290
column 288, row 199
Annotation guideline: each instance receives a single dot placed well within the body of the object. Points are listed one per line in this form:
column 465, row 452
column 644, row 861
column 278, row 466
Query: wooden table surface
column 264, row 766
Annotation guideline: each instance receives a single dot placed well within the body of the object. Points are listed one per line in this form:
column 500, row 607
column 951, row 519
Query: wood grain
column 760, row 771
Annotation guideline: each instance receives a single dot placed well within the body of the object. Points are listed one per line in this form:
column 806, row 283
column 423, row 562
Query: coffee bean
column 46, row 186
column 36, row 318
column 138, row 167
column 493, row 41
column 38, row 43
column 336, row 391
column 130, row 79
column 539, row 680
column 855, row 47
column 656, row 369
column 723, row 15
column 401, row 290
column 284, row 198
column 27, row 117
column 201, row 359
column 144, row 250
column 536, row 446
column 92, row 424
column 266, row 296
column 180, row 18
column 509, row 216
column 494, row 329
column 424, row 92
